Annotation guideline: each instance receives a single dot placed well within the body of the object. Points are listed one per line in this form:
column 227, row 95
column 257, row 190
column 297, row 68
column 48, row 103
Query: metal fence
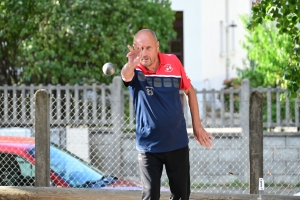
column 96, row 123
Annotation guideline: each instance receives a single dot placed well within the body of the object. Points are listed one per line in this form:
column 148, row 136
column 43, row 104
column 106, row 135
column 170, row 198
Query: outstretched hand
column 133, row 55
column 204, row 138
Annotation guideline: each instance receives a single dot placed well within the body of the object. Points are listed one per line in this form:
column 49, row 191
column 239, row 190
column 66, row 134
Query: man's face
column 148, row 49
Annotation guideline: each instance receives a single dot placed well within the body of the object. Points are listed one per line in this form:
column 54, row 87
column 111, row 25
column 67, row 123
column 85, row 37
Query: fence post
column 256, row 140
column 244, row 120
column 42, row 138
column 117, row 121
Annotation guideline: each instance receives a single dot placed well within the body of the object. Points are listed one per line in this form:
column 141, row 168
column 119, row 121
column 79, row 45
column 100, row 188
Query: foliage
column 286, row 15
column 233, row 83
column 68, row 41
column 268, row 55
column 255, row 78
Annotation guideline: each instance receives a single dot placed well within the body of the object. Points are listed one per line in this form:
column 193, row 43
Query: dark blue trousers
column 177, row 169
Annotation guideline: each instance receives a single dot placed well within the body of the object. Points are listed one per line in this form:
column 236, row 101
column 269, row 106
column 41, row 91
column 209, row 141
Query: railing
column 81, row 103
column 90, row 104
column 281, row 100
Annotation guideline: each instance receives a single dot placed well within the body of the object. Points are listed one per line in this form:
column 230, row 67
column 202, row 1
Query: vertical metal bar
column 221, row 39
column 233, row 37
column 231, row 107
column 269, row 107
column 85, row 104
column 31, row 117
column 6, row 103
column 278, row 118
column 297, row 112
column 204, row 103
column 227, row 38
column 76, row 102
column 94, row 102
column 68, row 100
column 287, row 109
column 23, row 103
column 103, row 104
column 14, row 98
column 213, row 108
column 222, row 107
column 58, row 103
column 50, row 101
column 131, row 111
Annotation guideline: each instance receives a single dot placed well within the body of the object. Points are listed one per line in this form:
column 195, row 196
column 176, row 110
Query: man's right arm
column 127, row 72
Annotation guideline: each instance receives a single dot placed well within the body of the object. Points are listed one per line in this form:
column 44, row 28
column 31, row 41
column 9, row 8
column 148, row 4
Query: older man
column 155, row 80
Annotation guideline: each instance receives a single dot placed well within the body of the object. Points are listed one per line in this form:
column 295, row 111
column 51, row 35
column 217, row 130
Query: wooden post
column 256, row 140
column 42, row 138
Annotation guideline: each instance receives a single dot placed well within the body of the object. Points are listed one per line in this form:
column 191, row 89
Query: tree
column 268, row 55
column 13, row 30
column 286, row 15
column 68, row 41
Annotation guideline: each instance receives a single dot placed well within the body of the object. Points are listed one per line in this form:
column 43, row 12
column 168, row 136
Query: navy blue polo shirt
column 160, row 122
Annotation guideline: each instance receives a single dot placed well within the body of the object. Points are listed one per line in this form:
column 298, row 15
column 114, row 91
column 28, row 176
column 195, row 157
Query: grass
column 238, row 184
column 283, row 185
column 234, row 184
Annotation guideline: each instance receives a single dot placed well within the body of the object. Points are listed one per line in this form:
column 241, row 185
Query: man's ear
column 157, row 44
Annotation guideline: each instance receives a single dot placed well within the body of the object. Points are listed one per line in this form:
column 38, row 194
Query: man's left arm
column 200, row 133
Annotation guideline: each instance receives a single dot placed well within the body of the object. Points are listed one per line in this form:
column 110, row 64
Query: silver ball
column 108, row 69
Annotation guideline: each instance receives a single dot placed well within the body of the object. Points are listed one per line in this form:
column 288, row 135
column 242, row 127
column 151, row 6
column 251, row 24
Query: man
column 155, row 80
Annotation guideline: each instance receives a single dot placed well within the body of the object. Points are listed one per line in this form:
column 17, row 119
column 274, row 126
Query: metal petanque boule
column 108, row 69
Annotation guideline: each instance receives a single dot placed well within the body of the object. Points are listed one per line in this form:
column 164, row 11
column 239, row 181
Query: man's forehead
column 142, row 43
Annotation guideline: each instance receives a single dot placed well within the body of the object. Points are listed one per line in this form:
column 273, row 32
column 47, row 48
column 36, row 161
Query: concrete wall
column 220, row 164
column 282, row 159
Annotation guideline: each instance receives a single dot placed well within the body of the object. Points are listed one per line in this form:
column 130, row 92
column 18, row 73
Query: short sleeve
column 185, row 82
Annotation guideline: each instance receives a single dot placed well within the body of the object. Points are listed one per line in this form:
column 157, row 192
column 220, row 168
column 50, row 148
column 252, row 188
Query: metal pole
column 227, row 39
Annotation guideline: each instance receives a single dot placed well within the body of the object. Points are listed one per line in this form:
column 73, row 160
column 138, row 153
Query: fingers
column 205, row 139
column 131, row 51
column 130, row 48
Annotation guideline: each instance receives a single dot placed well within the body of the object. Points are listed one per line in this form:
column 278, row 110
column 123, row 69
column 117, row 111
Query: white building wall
column 203, row 43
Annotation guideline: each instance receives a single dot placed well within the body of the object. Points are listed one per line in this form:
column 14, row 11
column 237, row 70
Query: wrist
column 130, row 65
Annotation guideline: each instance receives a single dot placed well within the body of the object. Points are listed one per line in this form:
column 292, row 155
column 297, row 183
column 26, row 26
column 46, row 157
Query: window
column 15, row 171
column 27, row 169
column 176, row 45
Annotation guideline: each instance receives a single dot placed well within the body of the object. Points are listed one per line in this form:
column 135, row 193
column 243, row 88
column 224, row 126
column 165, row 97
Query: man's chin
column 145, row 64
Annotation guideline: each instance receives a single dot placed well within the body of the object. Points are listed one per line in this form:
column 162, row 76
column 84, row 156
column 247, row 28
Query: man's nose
column 143, row 51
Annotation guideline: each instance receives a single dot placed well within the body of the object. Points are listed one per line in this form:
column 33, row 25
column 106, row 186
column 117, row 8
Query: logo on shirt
column 150, row 90
column 168, row 68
